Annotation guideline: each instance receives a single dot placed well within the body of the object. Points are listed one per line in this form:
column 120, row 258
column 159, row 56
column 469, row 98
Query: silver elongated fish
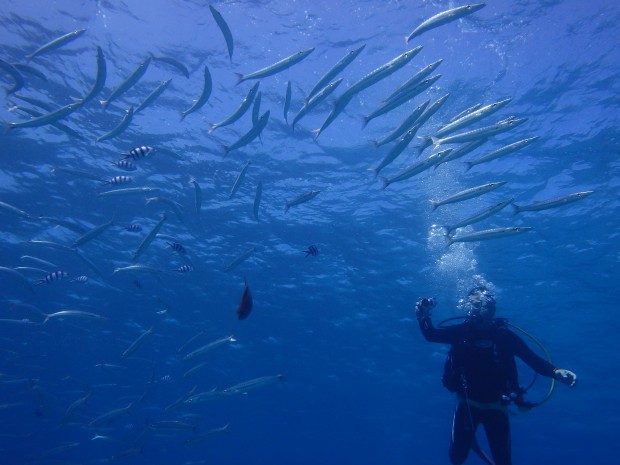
column 303, row 198
column 241, row 258
column 137, row 269
column 127, row 83
column 488, row 234
column 73, row 314
column 484, row 132
column 51, row 244
column 57, row 124
column 208, row 347
column 16, row 275
column 382, row 72
column 153, row 95
column 472, row 117
column 109, row 417
column 187, row 343
column 176, row 64
column 118, row 129
column 443, row 18
column 15, row 74
column 414, row 80
column 478, row 216
column 47, row 118
column 197, row 194
column 256, row 109
column 468, row 194
column 287, row 101
column 552, row 203
column 91, row 234
column 31, row 268
column 39, row 261
column 416, row 168
column 194, row 369
column 99, row 80
column 172, row 424
column 128, row 191
column 239, row 179
column 276, row 67
column 401, row 99
column 73, row 407
column 204, row 96
column 462, row 150
column 249, row 136
column 12, row 209
column 396, row 150
column 56, row 43
column 221, row 23
column 148, row 238
column 63, row 223
column 180, row 401
column 33, row 101
column 501, row 151
column 174, row 206
column 206, row 435
column 257, row 198
column 315, row 100
column 137, row 343
column 255, row 383
column 335, row 70
column 239, row 112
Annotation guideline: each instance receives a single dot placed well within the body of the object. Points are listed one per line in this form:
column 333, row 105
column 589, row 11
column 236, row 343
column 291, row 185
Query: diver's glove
column 565, row 376
column 423, row 307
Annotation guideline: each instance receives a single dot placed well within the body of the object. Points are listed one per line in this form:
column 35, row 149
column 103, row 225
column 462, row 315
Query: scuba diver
column 482, row 371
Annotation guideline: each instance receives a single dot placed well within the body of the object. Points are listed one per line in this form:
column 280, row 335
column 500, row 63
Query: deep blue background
column 360, row 385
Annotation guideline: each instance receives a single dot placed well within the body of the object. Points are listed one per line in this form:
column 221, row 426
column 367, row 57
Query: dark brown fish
column 245, row 304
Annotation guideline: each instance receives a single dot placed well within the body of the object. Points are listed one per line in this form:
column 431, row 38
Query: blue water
column 360, row 384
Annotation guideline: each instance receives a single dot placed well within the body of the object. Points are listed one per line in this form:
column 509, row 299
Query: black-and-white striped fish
column 122, row 179
column 80, row 279
column 133, row 228
column 143, row 151
column 124, row 164
column 51, row 277
column 312, row 250
column 184, row 269
column 178, row 248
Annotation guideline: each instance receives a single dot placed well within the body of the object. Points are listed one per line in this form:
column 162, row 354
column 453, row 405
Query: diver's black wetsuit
column 483, row 361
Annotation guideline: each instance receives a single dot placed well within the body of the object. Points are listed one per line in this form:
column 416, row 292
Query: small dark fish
column 312, row 250
column 51, row 277
column 178, row 248
column 80, row 279
column 137, row 284
column 133, row 228
column 184, row 269
column 245, row 304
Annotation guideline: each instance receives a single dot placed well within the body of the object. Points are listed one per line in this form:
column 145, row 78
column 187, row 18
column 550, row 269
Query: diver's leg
column 463, row 429
column 497, row 428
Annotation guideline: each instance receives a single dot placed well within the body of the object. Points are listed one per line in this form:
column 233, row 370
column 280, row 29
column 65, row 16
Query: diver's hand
column 423, row 307
column 565, row 376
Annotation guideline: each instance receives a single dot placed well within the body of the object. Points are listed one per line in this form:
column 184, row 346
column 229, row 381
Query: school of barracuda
column 436, row 144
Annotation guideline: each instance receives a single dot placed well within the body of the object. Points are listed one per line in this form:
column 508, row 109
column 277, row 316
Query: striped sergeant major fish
column 118, row 180
column 443, row 18
column 144, row 151
column 124, row 164
column 311, row 250
column 51, row 277
column 177, row 248
column 551, row 203
column 184, row 269
column 134, row 227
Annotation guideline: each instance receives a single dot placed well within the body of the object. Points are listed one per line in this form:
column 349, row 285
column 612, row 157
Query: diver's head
column 480, row 306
